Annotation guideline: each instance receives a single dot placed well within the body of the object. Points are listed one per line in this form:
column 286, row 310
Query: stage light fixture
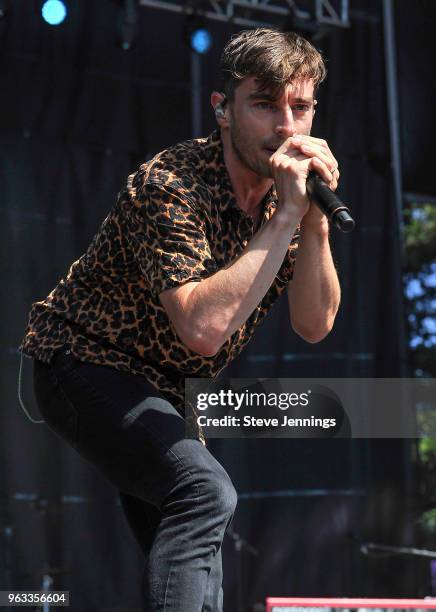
column 196, row 34
column 54, row 12
column 201, row 40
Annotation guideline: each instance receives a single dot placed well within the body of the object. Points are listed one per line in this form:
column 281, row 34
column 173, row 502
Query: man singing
column 201, row 242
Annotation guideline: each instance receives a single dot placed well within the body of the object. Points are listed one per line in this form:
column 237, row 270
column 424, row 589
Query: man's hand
column 323, row 160
column 314, row 293
column 290, row 166
column 318, row 149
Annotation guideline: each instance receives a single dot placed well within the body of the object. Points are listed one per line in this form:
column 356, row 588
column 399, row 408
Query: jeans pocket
column 56, row 409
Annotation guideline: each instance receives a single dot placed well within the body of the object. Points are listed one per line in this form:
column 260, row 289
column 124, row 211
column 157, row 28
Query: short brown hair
column 272, row 56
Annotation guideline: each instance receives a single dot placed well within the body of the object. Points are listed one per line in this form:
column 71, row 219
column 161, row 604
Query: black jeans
column 177, row 498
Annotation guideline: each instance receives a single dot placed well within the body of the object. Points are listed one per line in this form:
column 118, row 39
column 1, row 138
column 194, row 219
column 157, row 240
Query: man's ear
column 220, row 112
column 219, row 104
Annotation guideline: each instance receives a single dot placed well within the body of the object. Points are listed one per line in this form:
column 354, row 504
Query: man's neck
column 249, row 188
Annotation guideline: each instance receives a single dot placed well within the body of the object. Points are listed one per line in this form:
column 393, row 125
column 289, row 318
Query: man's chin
column 262, row 169
column 265, row 173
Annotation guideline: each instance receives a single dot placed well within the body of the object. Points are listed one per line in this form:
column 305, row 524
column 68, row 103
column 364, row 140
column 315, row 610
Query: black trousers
column 177, row 498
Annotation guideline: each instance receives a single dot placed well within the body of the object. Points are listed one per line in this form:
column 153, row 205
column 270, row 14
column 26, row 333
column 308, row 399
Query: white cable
column 19, row 394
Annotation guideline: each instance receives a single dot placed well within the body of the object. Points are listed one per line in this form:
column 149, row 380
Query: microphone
column 329, row 203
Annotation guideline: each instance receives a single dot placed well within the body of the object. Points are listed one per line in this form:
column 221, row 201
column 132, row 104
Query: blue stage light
column 54, row 12
column 201, row 40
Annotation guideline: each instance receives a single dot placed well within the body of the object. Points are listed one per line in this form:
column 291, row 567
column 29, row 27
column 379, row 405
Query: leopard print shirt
column 175, row 221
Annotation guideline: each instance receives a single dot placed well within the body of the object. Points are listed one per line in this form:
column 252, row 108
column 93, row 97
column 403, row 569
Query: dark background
column 78, row 114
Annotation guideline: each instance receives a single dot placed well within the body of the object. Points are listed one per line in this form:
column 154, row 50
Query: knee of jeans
column 220, row 489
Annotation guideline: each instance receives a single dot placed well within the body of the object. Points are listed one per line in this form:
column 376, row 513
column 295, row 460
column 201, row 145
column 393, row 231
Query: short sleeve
column 168, row 237
column 286, row 271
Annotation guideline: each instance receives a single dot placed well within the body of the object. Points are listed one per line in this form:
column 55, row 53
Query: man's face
column 259, row 123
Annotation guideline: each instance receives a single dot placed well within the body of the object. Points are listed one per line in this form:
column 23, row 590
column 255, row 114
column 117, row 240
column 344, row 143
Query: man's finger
column 285, row 146
column 305, row 138
column 322, row 170
column 315, row 142
column 313, row 151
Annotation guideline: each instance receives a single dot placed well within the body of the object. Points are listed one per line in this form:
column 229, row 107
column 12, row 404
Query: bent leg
column 138, row 442
column 186, row 550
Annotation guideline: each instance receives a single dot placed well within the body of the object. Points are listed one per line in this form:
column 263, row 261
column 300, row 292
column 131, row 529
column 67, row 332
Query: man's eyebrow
column 304, row 100
column 258, row 95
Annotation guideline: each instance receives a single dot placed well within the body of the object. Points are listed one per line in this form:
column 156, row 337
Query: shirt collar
column 217, row 176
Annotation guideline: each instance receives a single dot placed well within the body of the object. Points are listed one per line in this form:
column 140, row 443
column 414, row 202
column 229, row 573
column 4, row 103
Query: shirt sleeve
column 168, row 236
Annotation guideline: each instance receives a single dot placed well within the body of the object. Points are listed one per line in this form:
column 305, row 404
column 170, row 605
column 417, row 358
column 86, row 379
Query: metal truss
column 260, row 13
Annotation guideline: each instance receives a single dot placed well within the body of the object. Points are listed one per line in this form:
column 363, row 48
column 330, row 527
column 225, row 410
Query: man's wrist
column 319, row 226
column 285, row 219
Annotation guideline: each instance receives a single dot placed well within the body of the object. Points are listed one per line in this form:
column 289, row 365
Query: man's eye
column 264, row 105
column 302, row 108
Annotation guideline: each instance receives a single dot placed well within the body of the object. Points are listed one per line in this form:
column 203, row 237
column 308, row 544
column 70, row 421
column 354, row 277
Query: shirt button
column 67, row 352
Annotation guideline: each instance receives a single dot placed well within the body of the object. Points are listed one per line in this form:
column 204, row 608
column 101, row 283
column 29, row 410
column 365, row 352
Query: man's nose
column 285, row 124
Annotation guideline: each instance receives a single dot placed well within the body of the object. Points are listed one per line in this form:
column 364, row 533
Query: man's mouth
column 273, row 149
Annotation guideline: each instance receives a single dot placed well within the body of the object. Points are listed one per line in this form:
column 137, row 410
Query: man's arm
column 314, row 292
column 205, row 314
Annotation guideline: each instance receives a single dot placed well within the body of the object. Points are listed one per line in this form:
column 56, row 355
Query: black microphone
column 329, row 203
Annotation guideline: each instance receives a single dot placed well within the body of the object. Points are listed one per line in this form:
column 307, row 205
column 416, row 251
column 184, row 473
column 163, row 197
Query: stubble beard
column 255, row 165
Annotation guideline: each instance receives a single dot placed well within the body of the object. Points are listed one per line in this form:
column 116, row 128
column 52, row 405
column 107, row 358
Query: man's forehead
column 298, row 88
